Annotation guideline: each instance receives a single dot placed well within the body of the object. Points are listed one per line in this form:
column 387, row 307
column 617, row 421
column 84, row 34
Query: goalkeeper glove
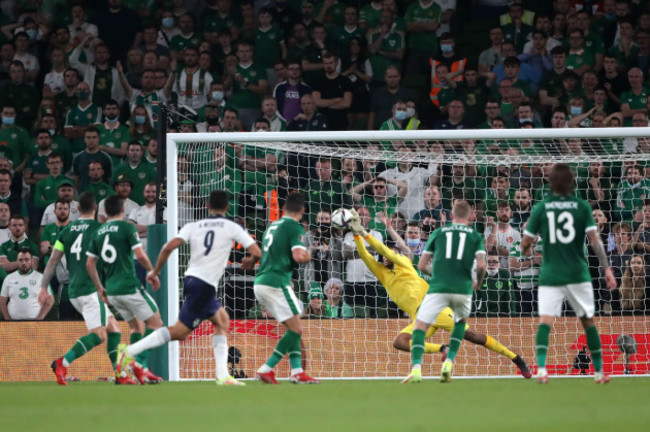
column 355, row 224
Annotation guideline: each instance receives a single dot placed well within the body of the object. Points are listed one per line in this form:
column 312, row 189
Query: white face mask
column 410, row 112
column 493, row 272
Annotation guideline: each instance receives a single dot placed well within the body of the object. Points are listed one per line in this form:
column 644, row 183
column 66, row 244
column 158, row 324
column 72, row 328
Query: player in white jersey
column 211, row 241
column 21, row 288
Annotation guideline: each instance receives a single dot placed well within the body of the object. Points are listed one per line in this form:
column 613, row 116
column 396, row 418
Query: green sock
column 286, row 344
column 542, row 344
column 593, row 343
column 82, row 346
column 112, row 341
column 144, row 355
column 457, row 336
column 295, row 355
column 417, row 347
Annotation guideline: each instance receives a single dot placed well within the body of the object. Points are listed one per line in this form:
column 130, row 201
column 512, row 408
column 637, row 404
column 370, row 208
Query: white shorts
column 580, row 296
column 434, row 303
column 281, row 303
column 139, row 305
column 93, row 309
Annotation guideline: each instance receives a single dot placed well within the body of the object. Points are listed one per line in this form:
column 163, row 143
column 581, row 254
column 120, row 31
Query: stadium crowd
column 82, row 83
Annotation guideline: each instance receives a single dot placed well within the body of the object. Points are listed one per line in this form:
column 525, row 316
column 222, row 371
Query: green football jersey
column 74, row 241
column 276, row 265
column 416, row 13
column 113, row 246
column 454, row 248
column 562, row 222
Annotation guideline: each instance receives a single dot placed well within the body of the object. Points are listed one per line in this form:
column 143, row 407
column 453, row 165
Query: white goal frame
column 260, row 138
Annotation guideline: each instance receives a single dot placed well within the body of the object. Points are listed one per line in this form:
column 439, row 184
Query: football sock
column 457, row 336
column 295, row 358
column 83, row 345
column 112, row 341
column 429, row 348
column 593, row 343
column 155, row 339
column 494, row 345
column 286, row 344
column 542, row 344
column 417, row 347
column 220, row 345
column 144, row 355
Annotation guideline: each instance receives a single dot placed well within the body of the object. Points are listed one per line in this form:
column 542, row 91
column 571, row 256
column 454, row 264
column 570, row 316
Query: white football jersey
column 143, row 215
column 211, row 241
column 22, row 291
column 50, row 217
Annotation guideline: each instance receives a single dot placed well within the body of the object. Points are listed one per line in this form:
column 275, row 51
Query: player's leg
column 494, row 345
column 221, row 322
column 550, row 307
column 404, row 340
column 461, row 305
column 113, row 339
column 581, row 299
column 94, row 313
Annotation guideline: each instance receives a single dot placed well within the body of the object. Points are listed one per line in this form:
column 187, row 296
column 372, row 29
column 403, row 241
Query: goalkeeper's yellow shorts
column 444, row 321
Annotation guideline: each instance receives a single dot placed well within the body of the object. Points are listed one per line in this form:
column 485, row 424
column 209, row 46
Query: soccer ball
column 341, row 218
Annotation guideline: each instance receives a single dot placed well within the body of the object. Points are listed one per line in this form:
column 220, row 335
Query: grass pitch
column 341, row 406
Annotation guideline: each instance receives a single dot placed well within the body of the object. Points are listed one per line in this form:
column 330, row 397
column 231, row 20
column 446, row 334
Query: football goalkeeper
column 407, row 289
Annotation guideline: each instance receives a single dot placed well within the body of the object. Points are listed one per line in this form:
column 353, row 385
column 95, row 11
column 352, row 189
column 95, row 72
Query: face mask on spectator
column 446, row 48
column 217, row 95
column 400, row 115
column 426, row 228
column 9, row 121
column 140, row 119
column 526, row 119
column 52, row 131
column 412, row 242
column 410, row 112
column 111, row 119
column 610, row 17
column 32, row 33
column 82, row 95
column 168, row 22
column 493, row 272
column 576, row 110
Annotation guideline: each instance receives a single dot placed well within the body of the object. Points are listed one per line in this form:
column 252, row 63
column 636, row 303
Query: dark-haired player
column 210, row 240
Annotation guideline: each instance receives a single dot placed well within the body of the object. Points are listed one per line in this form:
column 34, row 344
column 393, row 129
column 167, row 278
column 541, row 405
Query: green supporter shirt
column 630, row 198
column 334, row 14
column 62, row 146
column 634, row 101
column 14, row 143
column 454, row 248
column 139, row 175
column 10, row 248
column 562, row 222
column 101, row 190
column 114, row 138
column 375, row 207
column 496, row 297
column 242, row 97
column 278, row 243
column 393, row 42
column 80, row 167
column 37, row 164
column 91, row 115
column 213, row 23
column 180, row 42
column 113, row 246
column 426, row 41
column 340, row 38
column 267, row 46
column 328, row 195
column 74, row 241
column 578, row 59
column 23, row 205
column 51, row 234
column 370, row 16
column 46, row 190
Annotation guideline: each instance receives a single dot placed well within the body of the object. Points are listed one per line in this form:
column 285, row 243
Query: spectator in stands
column 422, row 22
column 123, row 187
column 458, row 184
column 357, row 68
column 633, row 285
column 492, row 111
column 634, row 100
column 298, row 42
column 491, row 56
column 551, row 90
column 455, row 117
column 386, row 47
column 270, row 112
column 141, row 128
column 137, row 170
column 630, row 195
column 23, row 96
column 148, row 96
column 187, row 35
column 397, row 122
column 324, row 192
column 324, row 243
column 580, row 58
column 289, row 93
column 36, row 165
column 97, row 186
column 122, row 18
column 316, row 307
column 67, row 98
column 383, row 98
column 500, row 236
column 474, row 94
column 614, row 82
column 5, row 214
column 21, row 291
column 30, row 62
column 542, row 23
column 18, row 240
column 248, row 83
column 496, row 297
column 334, row 297
column 143, row 216
column 309, row 119
column 333, row 94
column 113, row 135
column 90, row 153
column 64, row 191
column 150, row 42
column 51, row 231
column 312, row 54
column 538, row 57
column 522, row 208
column 53, row 81
column 416, row 179
column 525, row 276
column 626, row 49
column 619, row 258
column 192, row 83
column 16, row 204
column 360, row 283
column 82, row 115
column 379, row 200
column 432, row 207
column 230, row 120
column 517, row 32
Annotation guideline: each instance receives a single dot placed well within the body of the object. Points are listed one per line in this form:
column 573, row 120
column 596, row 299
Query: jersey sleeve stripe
column 529, row 234
column 427, row 253
column 480, row 252
column 90, row 254
column 135, row 246
column 298, row 247
column 591, row 228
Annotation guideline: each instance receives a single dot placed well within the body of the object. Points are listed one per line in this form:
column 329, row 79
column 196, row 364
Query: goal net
column 413, row 177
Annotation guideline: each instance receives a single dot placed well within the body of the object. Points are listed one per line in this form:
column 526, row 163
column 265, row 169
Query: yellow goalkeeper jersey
column 403, row 284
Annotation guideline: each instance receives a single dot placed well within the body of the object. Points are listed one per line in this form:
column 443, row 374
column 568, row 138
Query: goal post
column 492, row 169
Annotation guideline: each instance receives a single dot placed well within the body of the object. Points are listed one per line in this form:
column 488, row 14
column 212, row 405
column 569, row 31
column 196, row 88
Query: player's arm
column 599, row 249
column 382, row 249
column 165, row 252
column 144, row 261
column 481, row 269
column 399, row 241
column 8, row 266
column 3, row 308
column 375, row 267
column 425, row 262
column 50, row 271
column 300, row 254
column 46, row 305
column 248, row 263
column 91, row 268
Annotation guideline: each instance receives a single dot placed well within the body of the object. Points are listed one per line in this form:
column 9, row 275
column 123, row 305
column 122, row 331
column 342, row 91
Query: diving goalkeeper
column 407, row 289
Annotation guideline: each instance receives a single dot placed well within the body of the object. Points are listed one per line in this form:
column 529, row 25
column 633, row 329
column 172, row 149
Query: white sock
column 220, row 344
column 417, row 366
column 154, row 340
column 296, row 371
column 65, row 362
column 264, row 369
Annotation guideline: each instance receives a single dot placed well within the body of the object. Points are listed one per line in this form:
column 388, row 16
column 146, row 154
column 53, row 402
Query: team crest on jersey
column 32, row 282
column 13, row 135
column 141, row 175
column 510, row 240
column 499, row 284
column 271, row 36
column 253, row 73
